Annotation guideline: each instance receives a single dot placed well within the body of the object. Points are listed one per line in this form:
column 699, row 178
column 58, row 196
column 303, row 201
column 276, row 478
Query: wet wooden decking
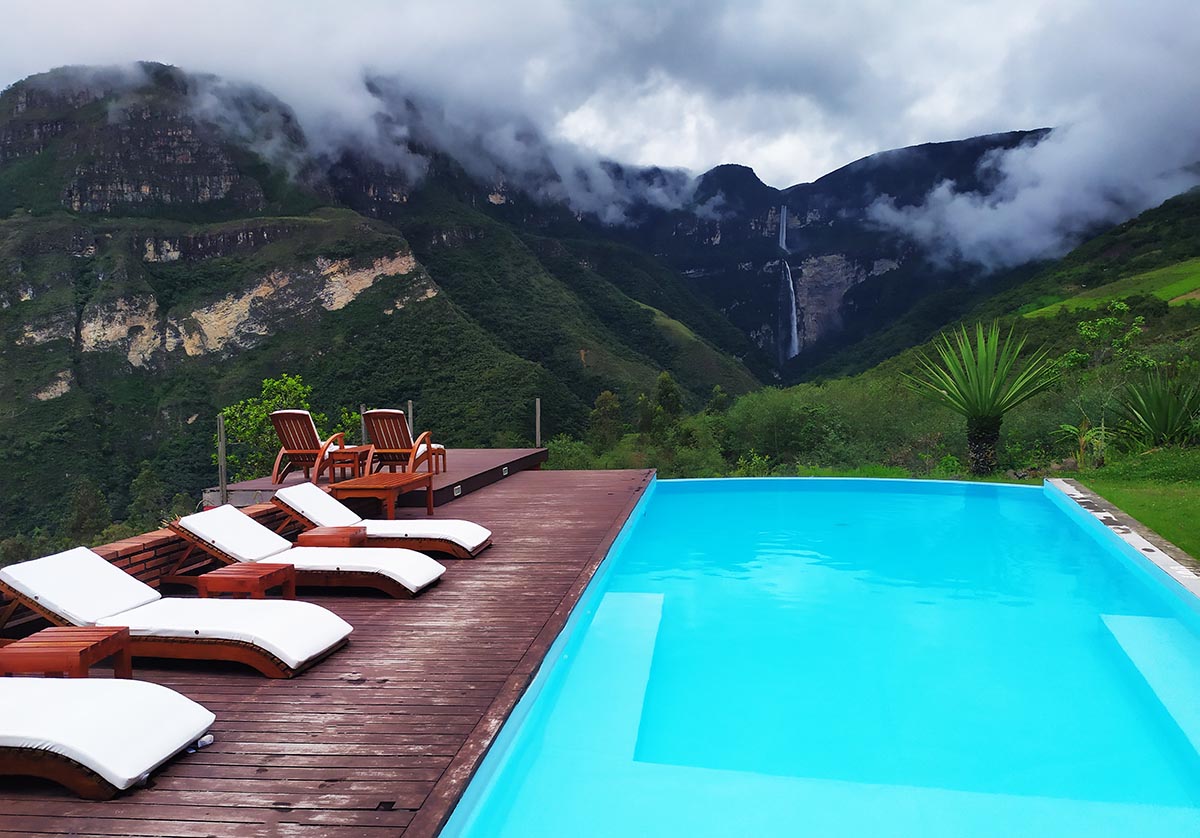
column 380, row 739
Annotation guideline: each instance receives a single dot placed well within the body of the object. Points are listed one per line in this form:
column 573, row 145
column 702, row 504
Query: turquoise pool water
column 858, row 658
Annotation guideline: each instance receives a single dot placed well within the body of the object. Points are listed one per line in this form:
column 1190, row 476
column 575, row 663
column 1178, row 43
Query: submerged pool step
column 1167, row 655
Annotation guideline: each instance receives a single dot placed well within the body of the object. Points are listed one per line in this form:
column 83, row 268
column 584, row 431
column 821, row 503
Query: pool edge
column 1140, row 539
column 448, row 792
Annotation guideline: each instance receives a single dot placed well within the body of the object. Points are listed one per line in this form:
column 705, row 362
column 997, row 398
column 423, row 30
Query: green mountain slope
column 153, row 269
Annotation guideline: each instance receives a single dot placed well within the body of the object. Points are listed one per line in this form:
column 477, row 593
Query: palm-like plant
column 1161, row 410
column 975, row 379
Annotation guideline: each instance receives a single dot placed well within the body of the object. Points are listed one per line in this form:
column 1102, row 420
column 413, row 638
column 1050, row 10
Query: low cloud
column 793, row 89
column 1130, row 140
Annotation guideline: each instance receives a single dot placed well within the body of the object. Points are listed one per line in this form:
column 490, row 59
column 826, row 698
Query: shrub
column 1160, row 410
column 567, row 453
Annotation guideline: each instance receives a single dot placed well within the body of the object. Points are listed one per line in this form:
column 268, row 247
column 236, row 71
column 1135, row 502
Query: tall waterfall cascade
column 790, row 346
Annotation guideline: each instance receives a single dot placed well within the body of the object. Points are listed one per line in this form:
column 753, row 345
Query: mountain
column 158, row 259
column 169, row 239
column 805, row 271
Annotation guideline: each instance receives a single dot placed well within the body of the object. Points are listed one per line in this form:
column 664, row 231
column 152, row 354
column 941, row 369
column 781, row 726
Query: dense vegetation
column 108, row 259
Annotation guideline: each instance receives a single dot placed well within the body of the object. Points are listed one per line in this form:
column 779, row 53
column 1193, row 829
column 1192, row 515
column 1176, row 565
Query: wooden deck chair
column 300, row 445
column 230, row 535
column 279, row 638
column 96, row 736
column 394, row 445
column 311, row 506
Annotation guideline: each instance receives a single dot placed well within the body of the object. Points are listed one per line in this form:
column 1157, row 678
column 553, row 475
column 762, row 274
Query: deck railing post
column 362, row 424
column 412, row 424
column 537, row 423
column 222, row 474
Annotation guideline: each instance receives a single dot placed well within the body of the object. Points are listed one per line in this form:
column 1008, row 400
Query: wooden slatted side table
column 332, row 537
column 354, row 458
column 248, row 579
column 386, row 488
column 68, row 650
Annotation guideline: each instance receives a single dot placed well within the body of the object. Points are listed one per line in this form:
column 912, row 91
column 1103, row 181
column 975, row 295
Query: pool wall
column 1161, row 562
column 497, row 755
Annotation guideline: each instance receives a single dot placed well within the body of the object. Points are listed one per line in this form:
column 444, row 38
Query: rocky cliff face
column 733, row 252
column 135, row 327
column 132, row 140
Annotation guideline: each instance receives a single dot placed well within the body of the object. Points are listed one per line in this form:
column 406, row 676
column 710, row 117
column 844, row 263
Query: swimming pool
column 858, row 658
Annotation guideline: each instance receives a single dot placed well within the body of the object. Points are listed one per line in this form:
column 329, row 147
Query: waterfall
column 791, row 348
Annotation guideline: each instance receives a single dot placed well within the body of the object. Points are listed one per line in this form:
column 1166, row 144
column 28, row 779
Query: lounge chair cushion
column 79, row 585
column 293, row 631
column 119, row 729
column 318, row 506
column 326, row 511
column 466, row 534
column 234, row 532
column 411, row 569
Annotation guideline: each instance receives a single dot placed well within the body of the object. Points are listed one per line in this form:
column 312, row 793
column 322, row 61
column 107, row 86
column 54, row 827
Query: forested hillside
column 168, row 241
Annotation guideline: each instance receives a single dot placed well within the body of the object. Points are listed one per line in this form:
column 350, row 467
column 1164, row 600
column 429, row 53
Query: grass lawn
column 1170, row 509
column 1176, row 283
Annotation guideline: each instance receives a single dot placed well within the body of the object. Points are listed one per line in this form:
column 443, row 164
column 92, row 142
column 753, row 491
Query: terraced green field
column 1178, row 284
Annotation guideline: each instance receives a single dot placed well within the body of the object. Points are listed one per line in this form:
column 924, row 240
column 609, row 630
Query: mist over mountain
column 170, row 238
column 799, row 270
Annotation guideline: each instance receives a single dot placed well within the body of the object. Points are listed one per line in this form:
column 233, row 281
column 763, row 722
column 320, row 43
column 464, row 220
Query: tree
column 604, row 423
column 975, row 379
column 87, row 512
column 668, row 396
column 718, row 401
column 252, row 440
column 148, row 500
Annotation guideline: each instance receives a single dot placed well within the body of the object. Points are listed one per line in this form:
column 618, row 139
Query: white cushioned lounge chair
column 277, row 637
column 231, row 535
column 96, row 736
column 314, row 507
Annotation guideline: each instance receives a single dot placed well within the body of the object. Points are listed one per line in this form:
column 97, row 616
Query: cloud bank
column 793, row 89
column 1129, row 141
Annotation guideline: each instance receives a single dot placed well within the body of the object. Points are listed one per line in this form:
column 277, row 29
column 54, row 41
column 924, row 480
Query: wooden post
column 222, row 474
column 412, row 424
column 362, row 424
column 537, row 423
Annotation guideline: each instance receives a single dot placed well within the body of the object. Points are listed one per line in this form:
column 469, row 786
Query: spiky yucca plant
column 975, row 379
column 1161, row 410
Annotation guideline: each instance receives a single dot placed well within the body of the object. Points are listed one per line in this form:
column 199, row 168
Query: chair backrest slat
column 296, row 429
column 388, row 429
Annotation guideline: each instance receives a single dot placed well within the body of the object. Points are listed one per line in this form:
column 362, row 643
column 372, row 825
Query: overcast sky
column 792, row 88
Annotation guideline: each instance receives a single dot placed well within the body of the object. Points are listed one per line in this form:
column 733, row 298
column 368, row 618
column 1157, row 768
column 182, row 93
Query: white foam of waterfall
column 792, row 348
column 793, row 344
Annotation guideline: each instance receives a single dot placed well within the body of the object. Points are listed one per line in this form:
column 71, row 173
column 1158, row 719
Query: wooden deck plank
column 382, row 737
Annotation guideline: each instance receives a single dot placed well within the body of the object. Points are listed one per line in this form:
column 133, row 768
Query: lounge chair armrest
column 340, row 439
column 425, row 456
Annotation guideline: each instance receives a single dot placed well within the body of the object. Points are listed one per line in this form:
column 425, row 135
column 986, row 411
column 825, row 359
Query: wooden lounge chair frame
column 394, row 445
column 190, row 648
column 423, row 544
column 47, row 765
column 304, row 578
column 301, row 446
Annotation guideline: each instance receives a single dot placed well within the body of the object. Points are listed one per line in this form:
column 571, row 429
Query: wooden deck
column 380, row 739
column 467, row 470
